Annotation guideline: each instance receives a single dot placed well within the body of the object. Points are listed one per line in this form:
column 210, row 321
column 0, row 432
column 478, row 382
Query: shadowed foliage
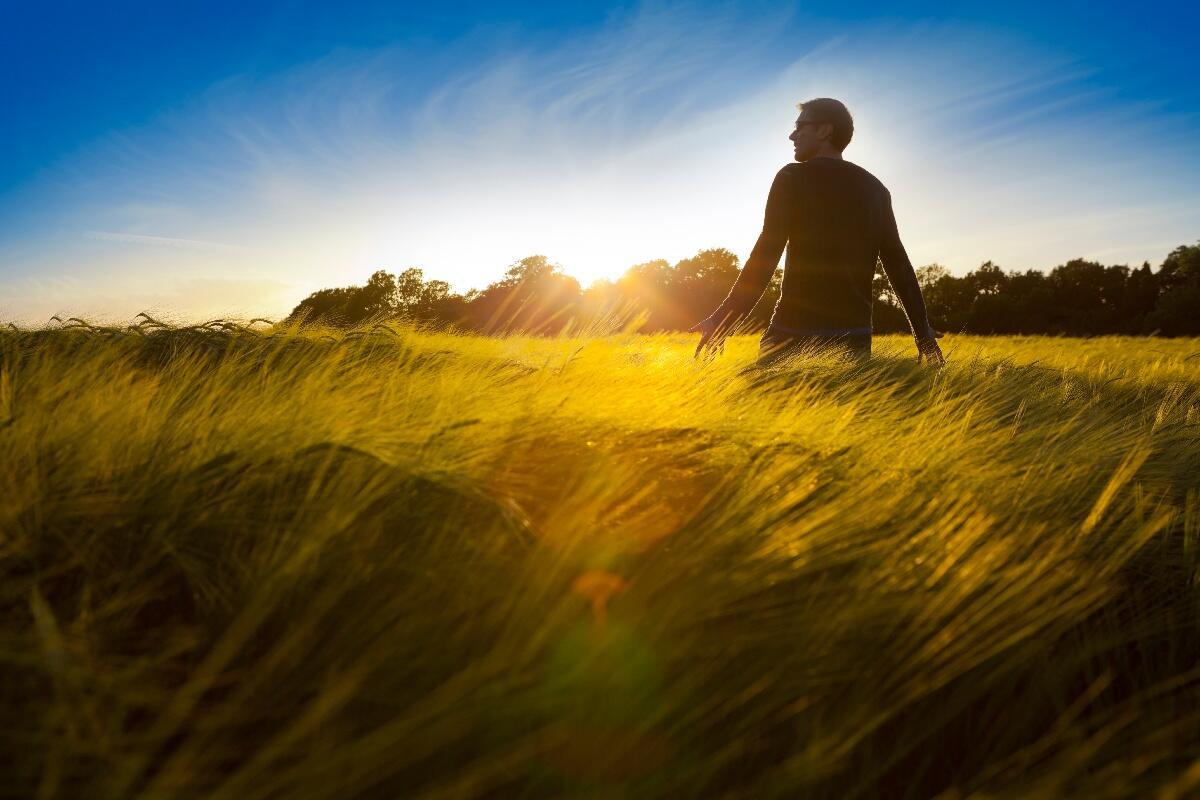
column 1079, row 298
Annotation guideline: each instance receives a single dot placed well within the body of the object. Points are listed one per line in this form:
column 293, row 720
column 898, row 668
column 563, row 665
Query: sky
column 197, row 160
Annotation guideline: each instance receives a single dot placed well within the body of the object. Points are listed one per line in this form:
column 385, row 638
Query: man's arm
column 903, row 278
column 761, row 264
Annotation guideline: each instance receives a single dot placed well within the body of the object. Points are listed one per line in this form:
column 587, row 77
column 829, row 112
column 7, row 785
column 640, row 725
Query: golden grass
column 393, row 563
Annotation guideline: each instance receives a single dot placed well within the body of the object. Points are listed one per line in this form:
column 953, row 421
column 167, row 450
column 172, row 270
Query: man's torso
column 835, row 218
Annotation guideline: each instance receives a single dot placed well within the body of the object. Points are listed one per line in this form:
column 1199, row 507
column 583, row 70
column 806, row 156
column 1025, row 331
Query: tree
column 351, row 305
column 530, row 270
column 1078, row 296
column 988, row 279
column 1139, row 299
column 1181, row 267
column 384, row 296
column 534, row 296
column 1177, row 309
column 699, row 284
column 378, row 298
column 410, row 288
column 326, row 306
column 647, row 288
column 930, row 274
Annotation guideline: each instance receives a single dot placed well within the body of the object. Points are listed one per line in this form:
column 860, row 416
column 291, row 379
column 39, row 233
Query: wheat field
column 279, row 563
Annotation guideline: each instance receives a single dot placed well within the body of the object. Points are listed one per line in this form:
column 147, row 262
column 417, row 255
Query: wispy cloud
column 161, row 241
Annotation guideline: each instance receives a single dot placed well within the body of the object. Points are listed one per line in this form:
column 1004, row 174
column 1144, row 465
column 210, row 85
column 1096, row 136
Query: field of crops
column 392, row 563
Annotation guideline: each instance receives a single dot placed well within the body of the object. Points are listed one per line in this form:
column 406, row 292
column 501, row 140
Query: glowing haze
column 650, row 134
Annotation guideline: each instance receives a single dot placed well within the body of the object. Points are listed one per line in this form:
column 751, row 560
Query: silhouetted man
column 836, row 220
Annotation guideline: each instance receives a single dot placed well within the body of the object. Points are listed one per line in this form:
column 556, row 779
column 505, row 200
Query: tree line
column 1078, row 298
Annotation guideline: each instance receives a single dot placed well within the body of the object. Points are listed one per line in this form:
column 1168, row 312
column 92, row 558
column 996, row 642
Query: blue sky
column 228, row 158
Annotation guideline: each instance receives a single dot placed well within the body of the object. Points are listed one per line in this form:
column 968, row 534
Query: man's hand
column 711, row 336
column 928, row 350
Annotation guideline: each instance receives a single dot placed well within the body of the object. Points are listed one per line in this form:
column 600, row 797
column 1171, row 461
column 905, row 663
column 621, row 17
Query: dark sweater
column 836, row 220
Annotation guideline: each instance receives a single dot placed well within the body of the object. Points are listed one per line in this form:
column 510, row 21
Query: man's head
column 823, row 128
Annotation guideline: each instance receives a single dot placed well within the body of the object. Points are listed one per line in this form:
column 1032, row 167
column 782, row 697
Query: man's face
column 807, row 137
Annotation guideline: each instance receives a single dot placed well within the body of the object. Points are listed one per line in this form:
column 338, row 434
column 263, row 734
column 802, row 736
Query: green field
column 395, row 563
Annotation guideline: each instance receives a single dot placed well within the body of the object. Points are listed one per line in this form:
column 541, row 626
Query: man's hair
column 826, row 109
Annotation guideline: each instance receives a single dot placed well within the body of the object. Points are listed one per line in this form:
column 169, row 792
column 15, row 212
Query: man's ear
column 825, row 131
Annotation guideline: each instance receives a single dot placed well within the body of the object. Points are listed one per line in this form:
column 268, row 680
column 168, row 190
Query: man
column 836, row 220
